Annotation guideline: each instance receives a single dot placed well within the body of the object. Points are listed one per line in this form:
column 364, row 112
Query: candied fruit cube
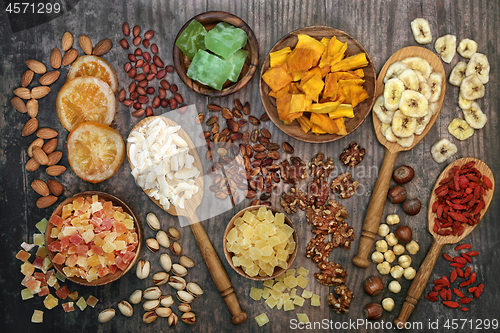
column 298, row 301
column 291, row 281
column 237, row 60
column 92, row 301
column 302, row 317
column 282, row 255
column 60, row 277
column 23, row 255
column 315, row 300
column 288, row 305
column 280, row 286
column 287, row 229
column 192, row 39
column 238, row 221
column 73, row 295
column 42, row 225
column 255, row 253
column 248, row 216
column 262, row 319
column 225, row 39
column 266, row 293
column 279, row 306
column 67, row 210
column 282, row 264
column 209, row 69
column 55, row 232
column 232, row 236
column 26, row 294
column 108, row 247
column 293, row 293
column 266, row 251
column 273, row 241
column 81, row 303
column 279, row 219
column 303, row 271
column 68, row 307
column 268, row 283
column 307, row 294
column 42, row 252
column 37, row 316
column 51, row 280
column 38, row 239
column 50, row 302
column 63, row 292
column 269, row 216
column 285, row 297
column 252, row 270
column 276, row 294
column 27, row 268
column 248, row 232
column 290, row 272
column 256, row 293
column 261, row 213
column 302, row 282
column 26, row 246
column 271, row 302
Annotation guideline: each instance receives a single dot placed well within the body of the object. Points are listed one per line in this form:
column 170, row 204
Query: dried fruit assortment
column 316, row 84
column 464, row 276
column 460, row 199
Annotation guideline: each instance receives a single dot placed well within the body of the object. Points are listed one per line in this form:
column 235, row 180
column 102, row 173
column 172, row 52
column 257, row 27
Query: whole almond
column 40, row 92
column 54, row 157
column 40, row 156
column 18, row 104
column 36, row 66
column 55, row 187
column 46, row 133
column 102, row 47
column 36, row 143
column 40, row 187
column 27, row 77
column 30, row 127
column 49, row 78
column 32, row 107
column 85, row 44
column 55, row 58
column 44, row 202
column 32, row 165
column 22, row 92
column 67, row 41
column 69, row 57
column 49, row 146
column 55, row 170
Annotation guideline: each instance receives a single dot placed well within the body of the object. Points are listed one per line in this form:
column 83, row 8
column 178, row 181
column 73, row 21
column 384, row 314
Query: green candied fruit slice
column 237, row 60
column 192, row 39
column 209, row 70
column 225, row 39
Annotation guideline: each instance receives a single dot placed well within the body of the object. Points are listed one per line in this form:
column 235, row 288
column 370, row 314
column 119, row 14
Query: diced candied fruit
column 288, row 305
column 56, row 220
column 293, row 292
column 261, row 213
column 262, row 319
column 279, row 306
column 67, row 210
column 315, row 300
column 276, row 294
column 307, row 294
column 303, row 271
column 38, row 239
column 268, row 283
column 60, row 277
column 81, row 303
column 27, row 268
column 37, row 316
column 279, row 219
column 285, row 297
column 298, row 301
column 23, row 255
column 73, row 295
column 280, row 286
column 38, row 262
column 256, row 293
column 41, row 252
column 26, row 294
column 271, row 302
column 34, row 286
column 92, row 301
column 302, row 317
column 50, row 302
column 63, row 292
column 68, row 307
column 59, row 259
column 44, row 291
column 291, row 281
column 302, row 281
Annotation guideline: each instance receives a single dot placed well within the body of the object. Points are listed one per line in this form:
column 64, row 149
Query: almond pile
column 42, row 150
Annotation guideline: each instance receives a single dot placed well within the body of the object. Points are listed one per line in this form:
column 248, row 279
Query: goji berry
column 472, row 289
column 438, row 287
column 465, row 300
column 472, row 253
column 451, row 304
column 443, row 293
column 472, row 278
column 467, row 272
column 463, row 246
column 456, row 265
column 464, row 284
column 460, row 260
column 460, row 272
column 467, row 257
column 448, row 294
column 432, row 299
column 487, row 182
column 458, row 292
column 433, row 294
column 464, row 309
column 478, row 291
column 447, row 257
column 453, row 275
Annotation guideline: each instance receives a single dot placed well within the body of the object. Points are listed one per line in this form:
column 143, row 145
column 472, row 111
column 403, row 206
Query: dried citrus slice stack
column 95, row 151
column 89, row 65
column 85, row 98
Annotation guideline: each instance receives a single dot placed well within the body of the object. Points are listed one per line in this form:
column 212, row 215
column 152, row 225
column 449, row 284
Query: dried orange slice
column 85, row 98
column 89, row 65
column 95, row 151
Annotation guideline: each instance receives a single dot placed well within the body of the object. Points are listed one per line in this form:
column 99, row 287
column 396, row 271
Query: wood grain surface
column 382, row 27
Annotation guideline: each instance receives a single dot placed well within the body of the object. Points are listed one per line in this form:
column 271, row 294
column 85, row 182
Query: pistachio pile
column 155, row 303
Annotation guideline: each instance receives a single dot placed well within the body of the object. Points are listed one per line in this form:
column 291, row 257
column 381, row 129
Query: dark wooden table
column 381, row 26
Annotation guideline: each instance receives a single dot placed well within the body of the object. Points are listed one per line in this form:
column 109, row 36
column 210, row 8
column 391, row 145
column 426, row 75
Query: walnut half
column 352, row 155
column 341, row 304
column 345, row 185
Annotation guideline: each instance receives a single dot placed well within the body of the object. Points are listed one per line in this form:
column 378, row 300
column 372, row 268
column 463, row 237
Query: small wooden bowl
column 277, row 270
column 110, row 277
column 209, row 20
column 361, row 110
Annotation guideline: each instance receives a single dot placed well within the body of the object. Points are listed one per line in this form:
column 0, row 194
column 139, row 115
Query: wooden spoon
column 214, row 265
column 420, row 281
column 392, row 149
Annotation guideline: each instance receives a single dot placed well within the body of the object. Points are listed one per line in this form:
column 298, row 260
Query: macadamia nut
column 381, row 245
column 404, row 261
column 392, row 219
column 389, row 256
column 388, row 304
column 377, row 257
column 394, row 287
column 397, row 272
column 398, row 249
column 383, row 230
column 409, row 273
column 384, row 268
column 391, row 239
column 412, row 247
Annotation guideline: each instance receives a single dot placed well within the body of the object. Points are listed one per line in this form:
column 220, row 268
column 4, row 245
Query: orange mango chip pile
column 316, row 85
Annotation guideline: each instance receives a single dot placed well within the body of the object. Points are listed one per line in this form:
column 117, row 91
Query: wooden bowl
column 209, row 20
column 361, row 110
column 277, row 270
column 110, row 277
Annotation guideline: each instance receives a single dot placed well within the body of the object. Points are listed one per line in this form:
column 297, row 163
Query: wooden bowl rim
column 253, row 57
column 311, row 137
column 108, row 278
column 277, row 270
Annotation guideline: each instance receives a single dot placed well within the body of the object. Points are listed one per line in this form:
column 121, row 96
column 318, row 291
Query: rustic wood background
column 382, row 27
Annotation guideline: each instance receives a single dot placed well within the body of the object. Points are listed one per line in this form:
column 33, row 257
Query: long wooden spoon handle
column 375, row 210
column 217, row 271
column 418, row 285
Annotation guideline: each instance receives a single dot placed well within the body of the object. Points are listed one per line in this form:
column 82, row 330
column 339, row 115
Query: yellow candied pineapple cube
column 232, row 236
column 259, row 243
column 269, row 216
column 81, row 303
column 95, row 198
column 273, row 262
column 276, row 294
column 266, row 259
column 268, row 283
column 279, row 219
column 273, row 241
column 298, row 301
column 282, row 264
column 129, row 224
column 255, row 253
column 236, row 261
column 120, row 245
column 280, row 286
column 290, row 247
column 302, row 282
column 307, row 293
column 290, row 272
column 280, row 303
column 286, row 297
column 315, row 300
column 248, row 232
column 50, row 302
column 39, row 239
column 271, row 302
column 26, row 294
column 88, row 235
column 266, row 293
column 248, row 216
column 27, row 268
column 76, row 221
column 111, row 237
column 288, row 306
column 287, row 229
column 262, row 319
column 55, row 232
column 291, row 281
column 108, row 247
column 236, row 248
column 267, row 251
column 67, row 211
column 261, row 213
column 303, row 271
column 238, row 221
column 37, row 316
column 281, row 255
column 99, row 241
column 282, row 236
column 119, row 216
column 293, row 292
column 92, row 277
column 256, row 293
column 252, row 270
column 302, row 317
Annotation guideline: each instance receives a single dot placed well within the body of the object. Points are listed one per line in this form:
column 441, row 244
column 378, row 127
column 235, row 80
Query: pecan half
column 331, row 274
column 293, row 199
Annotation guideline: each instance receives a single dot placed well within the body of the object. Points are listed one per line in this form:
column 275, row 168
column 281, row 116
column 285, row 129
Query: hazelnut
column 373, row 311
column 388, row 304
column 404, row 234
column 403, row 174
column 391, row 239
column 412, row 247
column 397, row 194
column 389, row 256
column 373, row 286
column 392, row 219
column 384, row 268
column 398, row 249
column 394, row 287
column 383, row 230
column 409, row 273
column 412, row 206
column 404, row 261
column 377, row 257
column 397, row 272
column 381, row 245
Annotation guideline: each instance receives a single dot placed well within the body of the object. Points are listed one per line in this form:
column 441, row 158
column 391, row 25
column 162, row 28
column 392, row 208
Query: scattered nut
column 173, row 319
column 106, row 315
column 394, row 287
column 152, row 293
column 160, row 278
column 149, row 317
column 409, row 273
column 398, row 249
column 184, row 296
column 377, row 257
column 403, row 174
column 383, row 230
column 404, row 261
column 153, row 221
column 151, row 305
column 404, row 234
column 186, row 262
column 392, row 219
column 126, row 309
column 373, row 311
column 373, row 286
column 389, row 256
column 167, row 301
column 176, row 248
column 135, row 297
column 177, row 283
column 412, row 247
column 391, row 239
column 184, row 307
column 163, row 312
column 397, row 194
column 179, row 270
column 174, row 234
column 194, row 289
column 189, row 318
column 152, row 244
column 388, row 304
column 165, row 262
column 384, row 268
column 397, row 271
column 162, row 238
column 412, row 206
column 381, row 246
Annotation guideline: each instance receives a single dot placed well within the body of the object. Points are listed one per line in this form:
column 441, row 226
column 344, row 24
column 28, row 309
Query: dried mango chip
column 300, row 60
column 307, row 42
column 278, row 58
column 277, row 77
